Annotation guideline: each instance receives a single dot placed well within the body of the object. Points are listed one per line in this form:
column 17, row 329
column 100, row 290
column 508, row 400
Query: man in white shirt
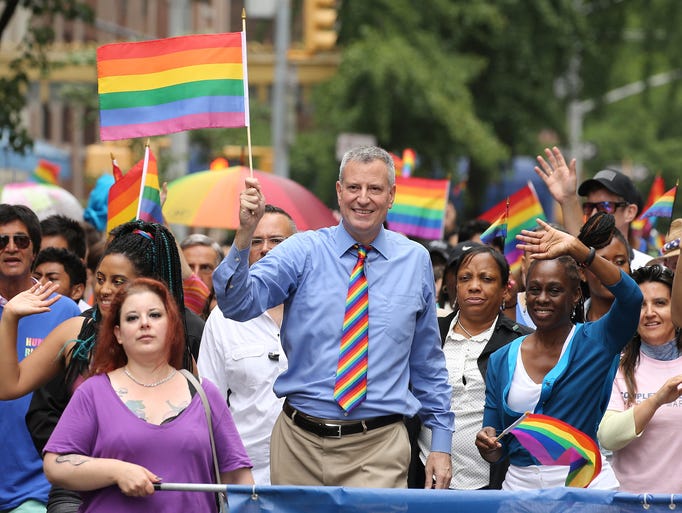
column 244, row 358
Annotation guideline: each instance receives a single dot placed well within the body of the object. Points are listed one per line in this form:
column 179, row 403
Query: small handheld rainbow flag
column 554, row 442
column 115, row 168
column 135, row 195
column 169, row 85
column 524, row 208
column 419, row 207
column 409, row 161
column 663, row 206
column 46, row 172
column 657, row 190
column 497, row 229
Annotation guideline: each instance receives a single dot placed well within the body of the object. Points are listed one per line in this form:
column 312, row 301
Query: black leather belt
column 331, row 429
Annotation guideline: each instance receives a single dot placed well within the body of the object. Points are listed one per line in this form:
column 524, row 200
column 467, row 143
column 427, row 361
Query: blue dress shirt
column 309, row 273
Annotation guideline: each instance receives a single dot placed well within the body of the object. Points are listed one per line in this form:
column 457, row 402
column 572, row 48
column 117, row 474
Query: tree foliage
column 472, row 78
column 30, row 55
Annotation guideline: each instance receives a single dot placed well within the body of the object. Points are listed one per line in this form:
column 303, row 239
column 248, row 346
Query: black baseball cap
column 459, row 249
column 615, row 182
column 438, row 247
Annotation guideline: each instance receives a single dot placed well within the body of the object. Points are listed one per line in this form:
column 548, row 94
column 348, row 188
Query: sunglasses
column 603, row 206
column 21, row 240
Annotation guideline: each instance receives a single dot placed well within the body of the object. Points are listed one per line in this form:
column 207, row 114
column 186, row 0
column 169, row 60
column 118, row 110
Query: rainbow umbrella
column 210, row 199
column 45, row 200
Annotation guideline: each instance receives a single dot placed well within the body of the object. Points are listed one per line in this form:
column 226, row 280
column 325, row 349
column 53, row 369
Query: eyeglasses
column 603, row 206
column 21, row 240
column 272, row 241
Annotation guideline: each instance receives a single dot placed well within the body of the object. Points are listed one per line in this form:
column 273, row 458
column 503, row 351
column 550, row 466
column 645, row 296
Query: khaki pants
column 376, row 459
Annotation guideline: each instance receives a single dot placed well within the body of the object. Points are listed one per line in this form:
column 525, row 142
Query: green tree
column 30, row 55
column 458, row 78
column 641, row 134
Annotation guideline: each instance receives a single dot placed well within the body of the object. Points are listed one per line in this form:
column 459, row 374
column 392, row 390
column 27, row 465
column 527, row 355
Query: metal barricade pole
column 190, row 487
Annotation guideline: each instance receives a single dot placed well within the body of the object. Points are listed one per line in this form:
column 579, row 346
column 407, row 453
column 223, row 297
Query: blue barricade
column 289, row 499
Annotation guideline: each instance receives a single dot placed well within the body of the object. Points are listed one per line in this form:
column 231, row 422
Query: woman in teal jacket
column 566, row 368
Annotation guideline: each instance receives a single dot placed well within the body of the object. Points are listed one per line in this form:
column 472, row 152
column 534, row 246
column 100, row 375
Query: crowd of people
column 345, row 356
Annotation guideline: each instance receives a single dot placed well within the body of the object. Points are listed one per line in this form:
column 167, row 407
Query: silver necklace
column 466, row 332
column 172, row 373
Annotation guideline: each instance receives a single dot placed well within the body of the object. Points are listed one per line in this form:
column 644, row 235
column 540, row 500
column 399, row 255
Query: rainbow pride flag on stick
column 135, row 195
column 657, row 190
column 46, row 172
column 419, row 207
column 663, row 206
column 554, row 442
column 524, row 208
column 497, row 229
column 169, row 85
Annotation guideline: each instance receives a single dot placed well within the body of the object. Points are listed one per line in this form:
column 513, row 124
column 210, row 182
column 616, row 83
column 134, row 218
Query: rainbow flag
column 169, row 85
column 46, row 172
column 657, row 190
column 497, row 229
column 132, row 198
column 409, row 161
column 397, row 163
column 524, row 208
column 419, row 207
column 663, row 206
column 554, row 442
column 116, row 169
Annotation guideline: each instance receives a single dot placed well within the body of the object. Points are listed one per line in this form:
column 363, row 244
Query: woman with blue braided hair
column 135, row 249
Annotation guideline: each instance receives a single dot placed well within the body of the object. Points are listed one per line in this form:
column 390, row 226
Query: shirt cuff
column 441, row 440
column 224, row 273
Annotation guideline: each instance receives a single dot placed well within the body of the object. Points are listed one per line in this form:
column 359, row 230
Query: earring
column 453, row 303
column 503, row 306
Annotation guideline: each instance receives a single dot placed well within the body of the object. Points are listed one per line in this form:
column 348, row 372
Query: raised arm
column 251, row 210
column 562, row 182
column 549, row 243
column 20, row 378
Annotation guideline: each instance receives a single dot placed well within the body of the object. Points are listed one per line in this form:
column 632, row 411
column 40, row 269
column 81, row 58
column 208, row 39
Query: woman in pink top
column 643, row 417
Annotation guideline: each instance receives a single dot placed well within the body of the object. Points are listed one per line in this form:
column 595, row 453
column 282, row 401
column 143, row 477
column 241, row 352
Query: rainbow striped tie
column 351, row 373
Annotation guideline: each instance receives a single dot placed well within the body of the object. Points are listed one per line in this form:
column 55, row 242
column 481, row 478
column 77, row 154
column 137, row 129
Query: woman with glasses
column 645, row 411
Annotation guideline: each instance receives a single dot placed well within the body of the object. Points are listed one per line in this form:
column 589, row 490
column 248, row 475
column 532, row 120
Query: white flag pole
column 144, row 179
column 246, row 93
